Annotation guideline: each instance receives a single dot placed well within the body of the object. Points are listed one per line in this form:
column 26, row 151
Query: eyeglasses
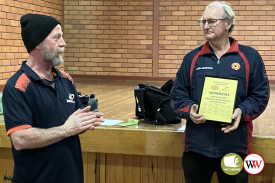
column 210, row 22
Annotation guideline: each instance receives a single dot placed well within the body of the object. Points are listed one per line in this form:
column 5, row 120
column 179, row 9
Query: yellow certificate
column 218, row 99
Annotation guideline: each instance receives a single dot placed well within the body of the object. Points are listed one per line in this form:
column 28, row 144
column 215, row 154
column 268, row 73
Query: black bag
column 153, row 104
column 89, row 100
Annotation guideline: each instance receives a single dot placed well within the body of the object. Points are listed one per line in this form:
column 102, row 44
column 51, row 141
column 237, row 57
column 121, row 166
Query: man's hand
column 236, row 117
column 32, row 138
column 196, row 118
column 82, row 120
column 99, row 119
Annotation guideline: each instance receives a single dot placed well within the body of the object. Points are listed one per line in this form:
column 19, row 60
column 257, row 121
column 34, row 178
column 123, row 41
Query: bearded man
column 43, row 114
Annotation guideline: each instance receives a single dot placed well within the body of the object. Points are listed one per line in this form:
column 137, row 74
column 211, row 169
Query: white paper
column 182, row 128
column 110, row 122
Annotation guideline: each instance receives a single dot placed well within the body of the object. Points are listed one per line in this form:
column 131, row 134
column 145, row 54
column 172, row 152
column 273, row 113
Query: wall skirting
column 122, row 77
column 271, row 82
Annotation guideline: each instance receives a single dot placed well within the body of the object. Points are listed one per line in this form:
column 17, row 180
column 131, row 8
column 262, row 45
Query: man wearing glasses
column 207, row 141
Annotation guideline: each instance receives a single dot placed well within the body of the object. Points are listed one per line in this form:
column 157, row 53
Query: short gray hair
column 228, row 12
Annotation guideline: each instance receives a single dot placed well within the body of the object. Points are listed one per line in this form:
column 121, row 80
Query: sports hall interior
column 113, row 45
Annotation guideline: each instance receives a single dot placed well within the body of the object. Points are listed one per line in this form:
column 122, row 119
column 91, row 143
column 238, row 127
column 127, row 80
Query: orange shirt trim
column 18, row 128
column 22, row 82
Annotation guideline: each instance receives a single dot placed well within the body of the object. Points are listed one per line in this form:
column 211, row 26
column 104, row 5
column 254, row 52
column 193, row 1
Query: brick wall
column 179, row 31
column 132, row 38
column 150, row 37
column 108, row 37
column 12, row 49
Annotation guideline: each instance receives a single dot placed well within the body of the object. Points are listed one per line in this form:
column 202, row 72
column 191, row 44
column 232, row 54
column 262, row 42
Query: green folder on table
column 130, row 122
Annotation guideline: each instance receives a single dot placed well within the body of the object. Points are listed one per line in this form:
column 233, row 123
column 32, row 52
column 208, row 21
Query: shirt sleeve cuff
column 18, row 128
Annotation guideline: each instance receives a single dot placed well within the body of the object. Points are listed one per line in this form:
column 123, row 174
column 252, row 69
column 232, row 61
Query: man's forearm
column 32, row 138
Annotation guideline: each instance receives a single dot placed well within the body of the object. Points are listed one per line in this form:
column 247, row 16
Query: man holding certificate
column 220, row 88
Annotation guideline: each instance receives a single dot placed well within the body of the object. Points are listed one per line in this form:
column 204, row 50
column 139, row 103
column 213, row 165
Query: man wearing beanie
column 42, row 111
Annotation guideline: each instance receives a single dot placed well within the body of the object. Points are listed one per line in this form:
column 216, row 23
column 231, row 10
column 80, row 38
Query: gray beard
column 52, row 57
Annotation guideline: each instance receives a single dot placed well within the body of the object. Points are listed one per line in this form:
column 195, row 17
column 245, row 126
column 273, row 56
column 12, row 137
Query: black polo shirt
column 29, row 102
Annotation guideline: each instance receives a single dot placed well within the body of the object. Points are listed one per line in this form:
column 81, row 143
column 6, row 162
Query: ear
column 228, row 25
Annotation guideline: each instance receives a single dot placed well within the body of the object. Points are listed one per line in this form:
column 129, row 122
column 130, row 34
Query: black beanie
column 35, row 28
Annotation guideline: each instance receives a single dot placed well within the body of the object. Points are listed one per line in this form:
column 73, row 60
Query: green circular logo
column 232, row 164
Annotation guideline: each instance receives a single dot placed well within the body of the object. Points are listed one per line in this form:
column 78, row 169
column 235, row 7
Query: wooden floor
column 116, row 101
column 115, row 97
column 265, row 124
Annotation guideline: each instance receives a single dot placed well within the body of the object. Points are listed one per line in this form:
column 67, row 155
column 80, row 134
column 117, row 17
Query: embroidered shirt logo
column 71, row 98
column 236, row 66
